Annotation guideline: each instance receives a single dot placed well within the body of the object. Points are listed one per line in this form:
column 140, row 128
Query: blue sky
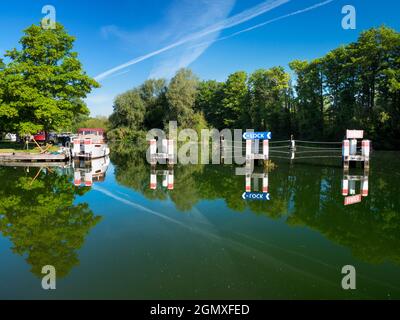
column 201, row 34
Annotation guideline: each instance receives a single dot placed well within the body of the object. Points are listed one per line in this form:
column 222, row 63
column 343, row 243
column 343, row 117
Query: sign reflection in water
column 352, row 183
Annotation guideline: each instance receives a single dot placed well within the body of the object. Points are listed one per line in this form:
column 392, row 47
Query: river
column 113, row 233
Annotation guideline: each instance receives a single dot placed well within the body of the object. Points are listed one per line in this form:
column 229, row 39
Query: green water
column 121, row 239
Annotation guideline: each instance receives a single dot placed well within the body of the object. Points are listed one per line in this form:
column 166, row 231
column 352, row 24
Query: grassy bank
column 10, row 147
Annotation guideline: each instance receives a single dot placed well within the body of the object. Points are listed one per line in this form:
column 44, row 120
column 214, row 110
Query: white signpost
column 355, row 134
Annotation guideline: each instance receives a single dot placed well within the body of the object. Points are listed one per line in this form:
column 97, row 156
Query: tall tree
column 43, row 83
column 181, row 97
column 235, row 100
column 209, row 101
column 310, row 99
column 269, row 90
column 128, row 116
column 153, row 93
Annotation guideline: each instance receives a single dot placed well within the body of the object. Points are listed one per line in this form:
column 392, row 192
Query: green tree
column 92, row 122
column 269, row 105
column 43, row 84
column 235, row 100
column 209, row 102
column 128, row 116
column 309, row 98
column 181, row 97
column 153, row 93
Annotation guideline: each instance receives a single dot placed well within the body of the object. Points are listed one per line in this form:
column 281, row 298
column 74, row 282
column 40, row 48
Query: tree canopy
column 356, row 86
column 43, row 83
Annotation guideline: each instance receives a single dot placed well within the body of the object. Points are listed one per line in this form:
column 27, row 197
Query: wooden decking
column 32, row 157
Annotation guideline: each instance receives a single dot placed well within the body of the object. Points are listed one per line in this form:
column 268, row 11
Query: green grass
column 8, row 147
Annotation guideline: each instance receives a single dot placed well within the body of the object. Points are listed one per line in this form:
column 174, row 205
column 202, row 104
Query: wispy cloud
column 214, row 28
column 268, row 22
column 186, row 17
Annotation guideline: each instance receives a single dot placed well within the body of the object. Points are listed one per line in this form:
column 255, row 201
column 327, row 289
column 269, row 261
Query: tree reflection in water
column 308, row 194
column 38, row 215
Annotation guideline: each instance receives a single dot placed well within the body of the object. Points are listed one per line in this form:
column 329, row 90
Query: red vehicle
column 40, row 136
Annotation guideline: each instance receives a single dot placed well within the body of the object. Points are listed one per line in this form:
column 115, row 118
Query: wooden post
column 366, row 150
column 364, row 187
column 346, row 153
column 222, row 149
column 256, row 146
column 248, row 182
column 292, row 148
column 265, row 183
column 345, row 187
column 170, row 180
column 353, row 147
column 153, row 150
column 248, row 149
column 266, row 149
column 171, row 152
column 153, row 180
column 292, row 143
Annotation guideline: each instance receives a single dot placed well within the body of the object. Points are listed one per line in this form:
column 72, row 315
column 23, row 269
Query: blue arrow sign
column 256, row 196
column 257, row 135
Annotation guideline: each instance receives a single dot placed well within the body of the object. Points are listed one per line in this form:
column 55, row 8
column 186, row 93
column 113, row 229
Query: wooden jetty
column 32, row 157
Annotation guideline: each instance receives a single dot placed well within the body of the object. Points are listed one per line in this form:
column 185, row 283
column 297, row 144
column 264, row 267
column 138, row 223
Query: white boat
column 90, row 144
column 89, row 172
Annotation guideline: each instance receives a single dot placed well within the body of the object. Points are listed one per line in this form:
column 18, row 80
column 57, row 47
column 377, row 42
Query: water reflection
column 38, row 214
column 302, row 194
column 88, row 171
column 351, row 183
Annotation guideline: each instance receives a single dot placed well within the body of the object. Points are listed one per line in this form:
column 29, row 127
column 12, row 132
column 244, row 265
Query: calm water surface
column 119, row 238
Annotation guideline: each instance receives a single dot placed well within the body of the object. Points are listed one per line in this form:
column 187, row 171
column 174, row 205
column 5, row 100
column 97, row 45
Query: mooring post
column 256, row 146
column 171, row 152
column 346, row 153
column 292, row 143
column 365, row 151
column 292, row 148
column 364, row 187
column 77, row 178
column 266, row 149
column 222, row 149
column 248, row 149
column 153, row 150
column 153, row 180
column 265, row 183
column 353, row 147
column 248, row 182
column 345, row 187
column 170, row 180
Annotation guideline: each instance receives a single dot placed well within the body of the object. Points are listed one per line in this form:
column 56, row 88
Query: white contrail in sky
column 225, row 24
column 268, row 22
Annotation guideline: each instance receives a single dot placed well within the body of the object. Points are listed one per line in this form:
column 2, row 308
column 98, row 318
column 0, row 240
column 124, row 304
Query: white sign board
column 355, row 134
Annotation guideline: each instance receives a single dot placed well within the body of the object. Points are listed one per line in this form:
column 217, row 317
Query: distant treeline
column 356, row 86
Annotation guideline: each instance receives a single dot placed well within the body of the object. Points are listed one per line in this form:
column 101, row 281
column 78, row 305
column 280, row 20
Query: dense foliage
column 43, row 84
column 356, row 86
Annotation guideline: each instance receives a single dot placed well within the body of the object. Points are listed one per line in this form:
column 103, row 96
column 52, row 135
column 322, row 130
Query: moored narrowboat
column 90, row 144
